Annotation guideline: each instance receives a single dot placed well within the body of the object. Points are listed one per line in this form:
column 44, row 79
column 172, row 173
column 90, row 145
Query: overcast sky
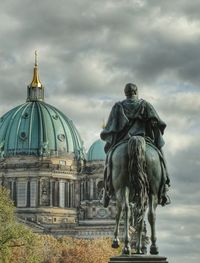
column 88, row 50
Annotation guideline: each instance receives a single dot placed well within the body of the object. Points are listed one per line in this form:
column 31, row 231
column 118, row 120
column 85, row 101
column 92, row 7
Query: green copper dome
column 96, row 151
column 37, row 128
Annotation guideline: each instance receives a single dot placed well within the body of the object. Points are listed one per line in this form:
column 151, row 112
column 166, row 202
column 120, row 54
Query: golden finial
column 35, row 91
column 36, row 82
column 36, row 64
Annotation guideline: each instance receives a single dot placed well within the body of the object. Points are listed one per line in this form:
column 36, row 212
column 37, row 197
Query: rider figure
column 132, row 117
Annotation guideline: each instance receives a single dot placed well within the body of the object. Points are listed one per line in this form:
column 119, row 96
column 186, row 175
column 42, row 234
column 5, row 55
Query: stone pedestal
column 138, row 259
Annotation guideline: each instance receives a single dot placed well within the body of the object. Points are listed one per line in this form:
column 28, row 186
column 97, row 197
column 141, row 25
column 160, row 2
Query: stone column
column 87, row 189
column 80, row 191
column 33, row 192
column 51, row 193
column 38, row 192
column 68, row 194
column 91, row 189
column 12, row 194
column 61, row 193
column 83, row 190
column 76, row 193
column 72, row 193
column 94, row 189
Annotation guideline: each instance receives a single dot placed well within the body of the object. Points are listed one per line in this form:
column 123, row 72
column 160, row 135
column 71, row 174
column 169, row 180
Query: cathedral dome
column 37, row 128
column 96, row 151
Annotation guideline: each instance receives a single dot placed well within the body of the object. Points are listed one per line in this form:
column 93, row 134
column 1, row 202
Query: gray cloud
column 88, row 50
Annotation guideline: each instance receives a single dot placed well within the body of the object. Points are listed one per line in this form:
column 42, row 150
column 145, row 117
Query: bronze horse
column 136, row 177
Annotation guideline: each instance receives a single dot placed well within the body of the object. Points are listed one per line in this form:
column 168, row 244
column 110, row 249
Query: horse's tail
column 137, row 174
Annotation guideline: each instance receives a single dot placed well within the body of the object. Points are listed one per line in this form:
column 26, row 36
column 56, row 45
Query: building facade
column 56, row 187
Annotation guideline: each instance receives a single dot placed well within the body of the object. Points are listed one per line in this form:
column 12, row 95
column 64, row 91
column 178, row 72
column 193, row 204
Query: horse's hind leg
column 127, row 248
column 152, row 220
column 139, row 227
column 115, row 243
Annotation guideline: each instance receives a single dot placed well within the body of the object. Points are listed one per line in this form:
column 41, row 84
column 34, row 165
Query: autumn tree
column 13, row 236
column 87, row 251
column 20, row 245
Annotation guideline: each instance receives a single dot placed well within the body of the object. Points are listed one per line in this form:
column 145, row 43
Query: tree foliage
column 13, row 236
column 20, row 245
column 88, row 251
column 49, row 249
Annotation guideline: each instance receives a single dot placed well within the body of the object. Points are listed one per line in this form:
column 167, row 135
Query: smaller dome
column 96, row 151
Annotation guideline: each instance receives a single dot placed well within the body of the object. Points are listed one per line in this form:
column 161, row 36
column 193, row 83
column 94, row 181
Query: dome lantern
column 35, row 91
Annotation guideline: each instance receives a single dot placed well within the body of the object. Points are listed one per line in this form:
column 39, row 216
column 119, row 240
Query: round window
column 55, row 116
column 23, row 136
column 61, row 137
column 25, row 116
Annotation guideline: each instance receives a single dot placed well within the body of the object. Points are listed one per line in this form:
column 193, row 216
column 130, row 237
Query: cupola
column 35, row 91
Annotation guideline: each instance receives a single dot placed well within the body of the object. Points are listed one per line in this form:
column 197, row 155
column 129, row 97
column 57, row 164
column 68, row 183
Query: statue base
column 138, row 259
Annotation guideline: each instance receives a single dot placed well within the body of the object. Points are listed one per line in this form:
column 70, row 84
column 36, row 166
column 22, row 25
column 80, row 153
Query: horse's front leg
column 126, row 208
column 115, row 243
column 152, row 221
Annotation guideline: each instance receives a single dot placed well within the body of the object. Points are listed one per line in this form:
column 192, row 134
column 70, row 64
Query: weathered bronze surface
column 135, row 168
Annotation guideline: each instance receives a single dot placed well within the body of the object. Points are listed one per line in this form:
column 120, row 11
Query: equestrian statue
column 135, row 168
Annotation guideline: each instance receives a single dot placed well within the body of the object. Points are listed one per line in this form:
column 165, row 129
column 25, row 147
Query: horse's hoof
column 154, row 250
column 139, row 252
column 144, row 250
column 115, row 243
column 126, row 250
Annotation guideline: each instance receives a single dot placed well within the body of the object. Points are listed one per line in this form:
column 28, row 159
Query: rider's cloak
column 130, row 118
